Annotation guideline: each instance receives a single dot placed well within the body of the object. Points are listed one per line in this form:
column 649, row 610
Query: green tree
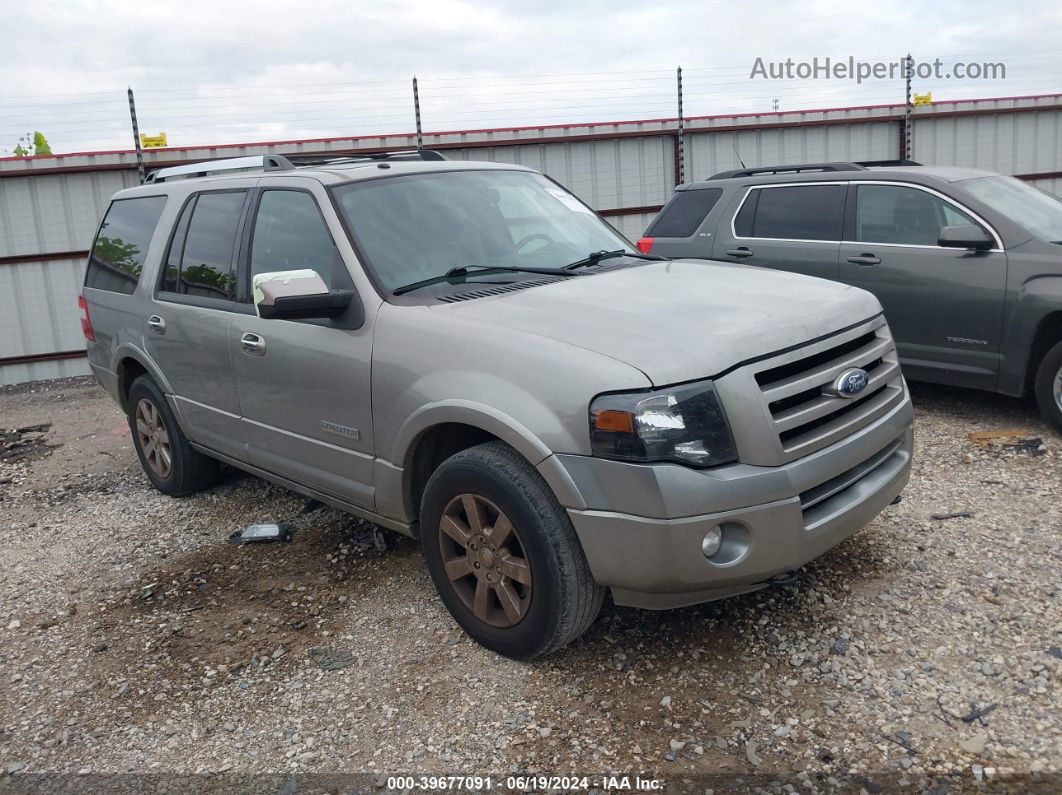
column 32, row 144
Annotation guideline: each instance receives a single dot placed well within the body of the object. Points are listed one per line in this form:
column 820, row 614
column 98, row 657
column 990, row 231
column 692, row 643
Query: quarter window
column 118, row 253
column 908, row 216
column 797, row 212
column 685, row 212
column 290, row 234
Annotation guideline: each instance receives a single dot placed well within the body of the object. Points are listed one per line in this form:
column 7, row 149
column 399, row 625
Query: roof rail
column 264, row 162
column 328, row 159
column 798, row 169
column 873, row 163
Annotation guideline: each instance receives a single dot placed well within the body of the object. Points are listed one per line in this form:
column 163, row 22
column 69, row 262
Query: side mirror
column 965, row 236
column 294, row 295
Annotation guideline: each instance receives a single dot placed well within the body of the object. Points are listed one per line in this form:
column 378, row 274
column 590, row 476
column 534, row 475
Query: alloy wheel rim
column 485, row 561
column 1058, row 389
column 153, row 438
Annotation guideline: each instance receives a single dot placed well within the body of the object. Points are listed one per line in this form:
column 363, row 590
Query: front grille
column 804, row 417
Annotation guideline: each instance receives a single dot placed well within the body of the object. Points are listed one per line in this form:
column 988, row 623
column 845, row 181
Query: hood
column 680, row 320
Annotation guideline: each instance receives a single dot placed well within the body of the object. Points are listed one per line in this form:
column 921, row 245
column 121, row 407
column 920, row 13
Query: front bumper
column 643, row 525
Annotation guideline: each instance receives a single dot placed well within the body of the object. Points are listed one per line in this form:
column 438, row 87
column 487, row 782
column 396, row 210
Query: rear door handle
column 865, row 259
column 740, row 253
column 157, row 324
column 253, row 344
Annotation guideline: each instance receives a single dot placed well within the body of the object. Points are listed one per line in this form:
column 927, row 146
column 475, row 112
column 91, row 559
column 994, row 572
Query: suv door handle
column 865, row 259
column 252, row 344
column 157, row 324
column 740, row 253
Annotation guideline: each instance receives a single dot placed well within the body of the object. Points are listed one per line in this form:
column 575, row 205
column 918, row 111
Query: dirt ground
column 135, row 639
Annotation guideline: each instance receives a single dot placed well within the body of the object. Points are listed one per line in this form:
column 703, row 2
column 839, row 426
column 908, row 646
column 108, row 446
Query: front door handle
column 252, row 344
column 740, row 252
column 865, row 259
column 157, row 324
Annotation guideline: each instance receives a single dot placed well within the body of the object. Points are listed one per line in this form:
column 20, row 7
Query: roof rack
column 886, row 163
column 328, row 159
column 283, row 163
column 859, row 165
column 255, row 162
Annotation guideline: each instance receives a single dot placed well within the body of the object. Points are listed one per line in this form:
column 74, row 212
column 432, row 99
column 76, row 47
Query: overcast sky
column 234, row 71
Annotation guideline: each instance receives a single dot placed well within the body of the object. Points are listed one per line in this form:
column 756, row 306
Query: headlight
column 684, row 424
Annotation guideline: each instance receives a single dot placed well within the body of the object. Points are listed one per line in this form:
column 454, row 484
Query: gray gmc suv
column 466, row 353
column 967, row 264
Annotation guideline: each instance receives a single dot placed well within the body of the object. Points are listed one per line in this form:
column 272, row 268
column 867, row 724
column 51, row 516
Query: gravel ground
column 922, row 653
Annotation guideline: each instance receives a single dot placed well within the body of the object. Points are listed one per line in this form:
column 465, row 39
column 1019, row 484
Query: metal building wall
column 49, row 207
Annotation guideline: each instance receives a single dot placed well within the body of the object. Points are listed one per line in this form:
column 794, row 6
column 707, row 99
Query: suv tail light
column 645, row 244
column 86, row 324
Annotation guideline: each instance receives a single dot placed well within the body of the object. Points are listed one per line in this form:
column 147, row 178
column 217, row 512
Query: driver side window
column 907, row 216
column 290, row 234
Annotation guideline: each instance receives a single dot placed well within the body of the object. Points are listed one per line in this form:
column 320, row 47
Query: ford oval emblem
column 849, row 383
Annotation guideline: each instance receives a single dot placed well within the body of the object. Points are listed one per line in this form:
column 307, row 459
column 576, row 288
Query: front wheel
column 1048, row 386
column 503, row 554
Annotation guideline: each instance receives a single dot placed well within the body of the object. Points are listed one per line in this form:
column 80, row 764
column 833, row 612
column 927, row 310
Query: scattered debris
column 26, row 443
column 310, row 507
column 957, row 515
column 750, row 753
column 665, row 702
column 328, row 659
column 263, row 533
column 976, row 713
column 840, row 646
column 365, row 537
column 1013, row 440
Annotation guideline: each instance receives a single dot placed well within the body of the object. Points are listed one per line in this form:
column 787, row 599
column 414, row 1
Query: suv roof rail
column 879, row 163
column 264, row 162
column 797, row 169
column 337, row 158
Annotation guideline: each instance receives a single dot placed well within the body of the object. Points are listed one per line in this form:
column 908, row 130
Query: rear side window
column 200, row 260
column 121, row 246
column 684, row 213
column 798, row 212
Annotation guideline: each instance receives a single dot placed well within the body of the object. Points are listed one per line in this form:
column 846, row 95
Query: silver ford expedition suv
column 465, row 353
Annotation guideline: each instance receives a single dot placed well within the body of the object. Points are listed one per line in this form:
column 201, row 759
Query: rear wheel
column 503, row 554
column 1048, row 386
column 168, row 459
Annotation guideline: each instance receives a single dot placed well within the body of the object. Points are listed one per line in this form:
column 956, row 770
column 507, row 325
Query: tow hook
column 783, row 579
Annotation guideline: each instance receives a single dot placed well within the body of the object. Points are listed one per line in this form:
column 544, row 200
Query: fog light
column 713, row 539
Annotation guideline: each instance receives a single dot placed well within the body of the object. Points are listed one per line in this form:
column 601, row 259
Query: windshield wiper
column 597, row 256
column 469, row 270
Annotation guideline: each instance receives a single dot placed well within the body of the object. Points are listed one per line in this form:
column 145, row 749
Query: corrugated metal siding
column 710, row 153
column 55, row 212
column 40, row 307
column 1053, row 185
column 623, row 172
column 41, row 371
column 1010, row 143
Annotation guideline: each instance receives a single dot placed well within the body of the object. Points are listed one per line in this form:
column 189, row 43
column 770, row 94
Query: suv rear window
column 684, row 213
column 796, row 212
column 121, row 245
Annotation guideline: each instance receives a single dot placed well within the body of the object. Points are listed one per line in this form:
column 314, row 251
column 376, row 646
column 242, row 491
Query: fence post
column 680, row 143
column 136, row 139
column 908, row 68
column 416, row 110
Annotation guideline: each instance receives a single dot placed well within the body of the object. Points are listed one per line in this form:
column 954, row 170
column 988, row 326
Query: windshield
column 1037, row 211
column 420, row 226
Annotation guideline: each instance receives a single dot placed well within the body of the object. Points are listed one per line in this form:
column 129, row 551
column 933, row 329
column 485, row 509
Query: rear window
column 121, row 246
column 684, row 213
column 800, row 212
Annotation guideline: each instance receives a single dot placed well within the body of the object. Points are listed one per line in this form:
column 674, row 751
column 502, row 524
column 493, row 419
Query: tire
column 486, row 485
column 155, row 430
column 1048, row 386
